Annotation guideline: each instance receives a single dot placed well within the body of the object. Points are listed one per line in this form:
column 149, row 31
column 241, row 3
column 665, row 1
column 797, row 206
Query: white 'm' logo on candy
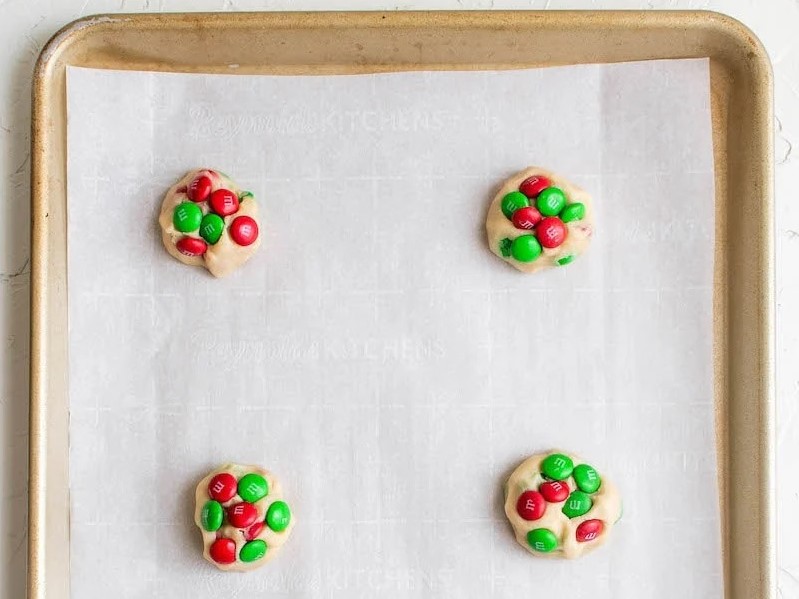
column 529, row 504
column 540, row 546
column 559, row 462
column 574, row 504
column 218, row 487
column 591, row 536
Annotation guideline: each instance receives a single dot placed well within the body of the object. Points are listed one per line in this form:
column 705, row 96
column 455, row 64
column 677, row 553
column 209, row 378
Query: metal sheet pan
column 336, row 42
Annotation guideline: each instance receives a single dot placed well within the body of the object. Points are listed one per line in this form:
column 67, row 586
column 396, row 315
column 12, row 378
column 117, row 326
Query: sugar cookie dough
column 242, row 516
column 539, row 220
column 559, row 506
column 206, row 220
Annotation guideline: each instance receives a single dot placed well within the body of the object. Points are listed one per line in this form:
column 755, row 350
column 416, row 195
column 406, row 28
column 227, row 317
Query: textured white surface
column 27, row 24
column 388, row 368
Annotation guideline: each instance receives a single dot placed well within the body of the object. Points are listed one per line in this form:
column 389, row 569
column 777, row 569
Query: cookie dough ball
column 242, row 516
column 206, row 220
column 539, row 220
column 560, row 506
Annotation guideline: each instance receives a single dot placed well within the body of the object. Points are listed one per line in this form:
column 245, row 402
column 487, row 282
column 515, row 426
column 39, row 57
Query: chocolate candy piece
column 533, row 186
column 191, row 246
column 566, row 260
column 253, row 550
column 187, row 217
column 253, row 487
column 525, row 248
column 577, row 504
column 199, row 189
column 512, row 202
column 505, row 246
column 531, row 505
column 253, row 531
column 211, row 228
column 526, row 218
column 551, row 201
column 212, row 516
column 557, row 466
column 551, row 232
column 587, row 478
column 572, row 212
column 242, row 515
column 223, row 551
column 244, row 230
column 589, row 530
column 245, row 195
column 278, row 516
column 224, row 202
column 222, row 487
column 542, row 540
column 554, row 491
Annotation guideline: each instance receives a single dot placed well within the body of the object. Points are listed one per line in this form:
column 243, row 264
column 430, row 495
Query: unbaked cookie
column 242, row 516
column 206, row 220
column 560, row 506
column 539, row 220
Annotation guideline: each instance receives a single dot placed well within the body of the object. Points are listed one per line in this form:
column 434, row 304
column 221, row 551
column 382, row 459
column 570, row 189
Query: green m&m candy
column 513, row 201
column 211, row 516
column 542, row 540
column 565, row 260
column 525, row 248
column 244, row 195
column 252, row 487
column 572, row 212
column 211, row 227
column 504, row 247
column 557, row 466
column 551, row 201
column 278, row 516
column 587, row 478
column 187, row 217
column 577, row 504
column 252, row 551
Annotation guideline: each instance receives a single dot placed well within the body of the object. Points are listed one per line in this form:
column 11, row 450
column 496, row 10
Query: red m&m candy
column 222, row 487
column 534, row 185
column 526, row 218
column 242, row 515
column 191, row 246
column 551, row 232
column 531, row 505
column 223, row 551
column 253, row 531
column 554, row 491
column 244, row 230
column 589, row 530
column 199, row 189
column 224, row 202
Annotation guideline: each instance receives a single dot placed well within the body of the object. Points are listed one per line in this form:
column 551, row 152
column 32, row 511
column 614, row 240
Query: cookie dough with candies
column 539, row 220
column 242, row 516
column 206, row 220
column 560, row 506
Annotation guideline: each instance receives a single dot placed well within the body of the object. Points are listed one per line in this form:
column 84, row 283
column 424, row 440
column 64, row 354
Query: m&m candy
column 222, row 487
column 253, row 531
column 512, row 202
column 526, row 218
column 587, row 478
column 278, row 516
column 212, row 516
column 573, row 212
column 589, row 530
column 211, row 228
column 244, row 230
column 252, row 487
column 532, row 186
column 252, row 551
column 577, row 504
column 525, row 248
column 199, row 189
column 531, row 505
column 224, row 202
column 542, row 540
column 187, row 217
column 557, row 466
column 554, row 491
column 551, row 232
column 551, row 201
column 223, row 551
column 191, row 246
column 242, row 515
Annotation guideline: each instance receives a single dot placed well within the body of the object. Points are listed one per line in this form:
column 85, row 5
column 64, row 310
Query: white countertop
column 26, row 25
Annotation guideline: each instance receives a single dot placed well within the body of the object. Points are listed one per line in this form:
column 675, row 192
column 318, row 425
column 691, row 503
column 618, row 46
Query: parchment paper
column 374, row 354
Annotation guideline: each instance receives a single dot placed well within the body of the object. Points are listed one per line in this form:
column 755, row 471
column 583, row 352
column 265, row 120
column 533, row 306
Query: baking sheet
column 374, row 355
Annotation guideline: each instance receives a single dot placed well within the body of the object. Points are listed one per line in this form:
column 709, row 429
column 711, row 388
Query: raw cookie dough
column 206, row 220
column 539, row 220
column 559, row 506
column 242, row 516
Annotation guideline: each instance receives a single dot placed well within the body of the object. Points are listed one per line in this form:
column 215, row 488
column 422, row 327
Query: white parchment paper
column 374, row 354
